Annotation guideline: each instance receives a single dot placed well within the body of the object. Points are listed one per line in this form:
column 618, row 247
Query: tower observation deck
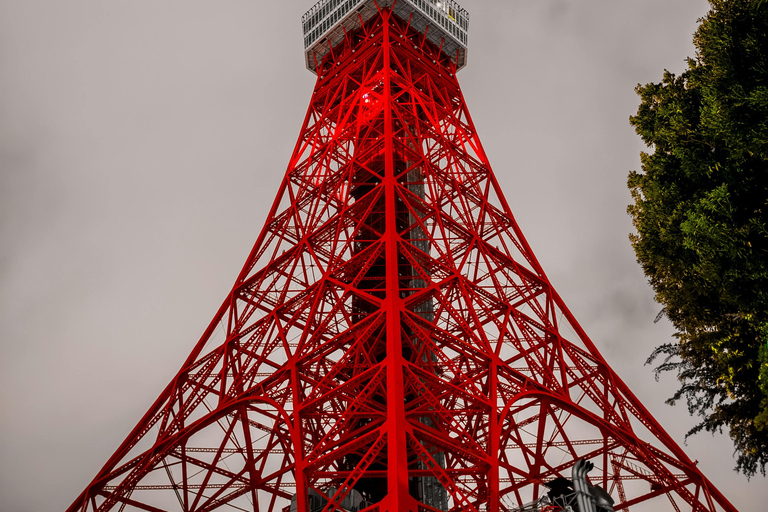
column 443, row 22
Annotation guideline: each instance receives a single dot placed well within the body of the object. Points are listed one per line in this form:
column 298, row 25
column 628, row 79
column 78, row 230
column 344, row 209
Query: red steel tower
column 392, row 343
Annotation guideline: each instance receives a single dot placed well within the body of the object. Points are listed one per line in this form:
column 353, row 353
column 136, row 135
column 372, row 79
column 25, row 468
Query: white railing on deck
column 448, row 14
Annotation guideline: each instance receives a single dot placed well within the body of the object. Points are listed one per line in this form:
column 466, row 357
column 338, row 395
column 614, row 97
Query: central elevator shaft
column 391, row 212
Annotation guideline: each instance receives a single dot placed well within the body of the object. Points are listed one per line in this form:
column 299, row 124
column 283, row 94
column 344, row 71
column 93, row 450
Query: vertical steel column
column 397, row 426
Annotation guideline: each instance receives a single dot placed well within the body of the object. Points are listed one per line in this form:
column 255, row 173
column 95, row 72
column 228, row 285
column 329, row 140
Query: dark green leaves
column 701, row 211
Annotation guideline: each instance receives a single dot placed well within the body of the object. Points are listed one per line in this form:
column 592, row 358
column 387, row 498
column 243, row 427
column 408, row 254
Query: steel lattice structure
column 392, row 336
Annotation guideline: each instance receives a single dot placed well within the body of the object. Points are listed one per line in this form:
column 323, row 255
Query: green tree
column 700, row 210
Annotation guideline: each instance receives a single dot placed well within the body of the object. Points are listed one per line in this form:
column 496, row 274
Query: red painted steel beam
column 391, row 336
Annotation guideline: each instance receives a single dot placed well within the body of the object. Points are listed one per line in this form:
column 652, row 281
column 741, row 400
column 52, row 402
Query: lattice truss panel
column 289, row 385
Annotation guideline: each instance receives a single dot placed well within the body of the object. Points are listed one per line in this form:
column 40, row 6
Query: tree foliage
column 701, row 213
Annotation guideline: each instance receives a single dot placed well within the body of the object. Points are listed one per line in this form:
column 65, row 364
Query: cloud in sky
column 142, row 143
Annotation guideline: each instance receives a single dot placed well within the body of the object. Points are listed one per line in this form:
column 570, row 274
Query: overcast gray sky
column 142, row 142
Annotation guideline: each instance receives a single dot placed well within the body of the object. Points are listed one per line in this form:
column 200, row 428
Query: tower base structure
column 392, row 343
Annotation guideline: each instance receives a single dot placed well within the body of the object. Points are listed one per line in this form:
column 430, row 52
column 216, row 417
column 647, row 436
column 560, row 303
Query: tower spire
column 391, row 342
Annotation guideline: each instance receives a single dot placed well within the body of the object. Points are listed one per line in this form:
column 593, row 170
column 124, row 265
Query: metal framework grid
column 391, row 327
